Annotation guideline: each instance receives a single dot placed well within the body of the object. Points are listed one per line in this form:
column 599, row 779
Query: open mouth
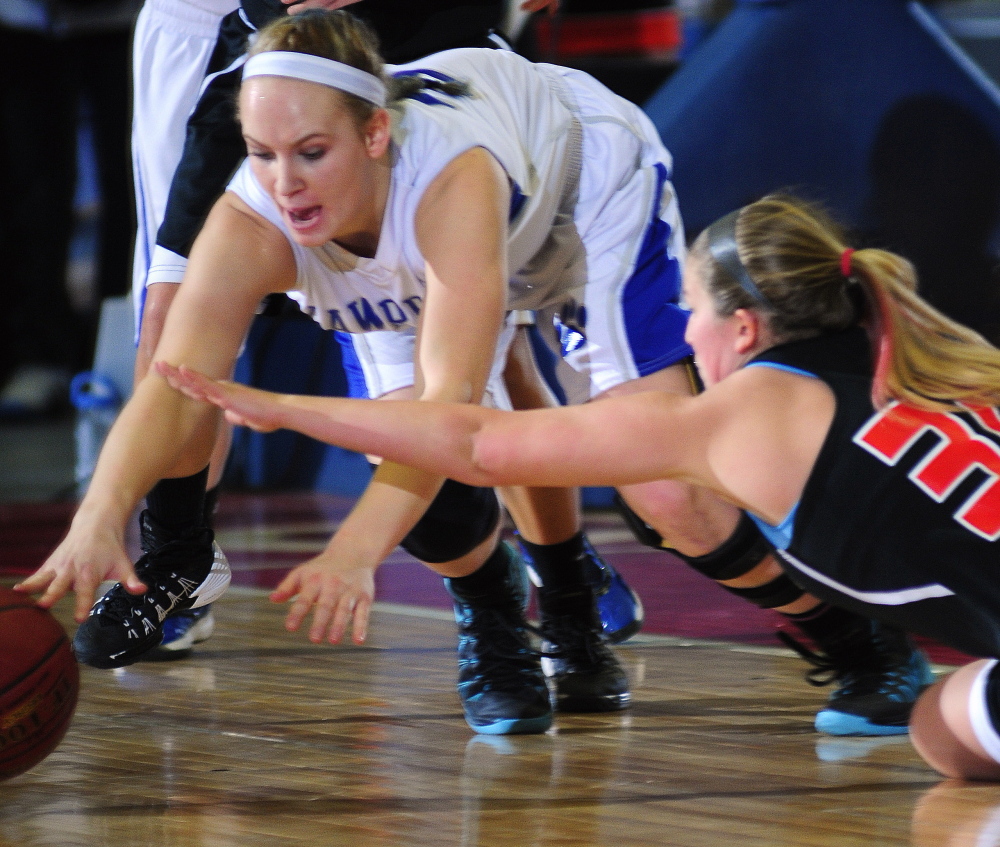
column 304, row 216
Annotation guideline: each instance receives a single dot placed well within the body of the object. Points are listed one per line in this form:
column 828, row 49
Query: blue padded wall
column 792, row 93
column 865, row 105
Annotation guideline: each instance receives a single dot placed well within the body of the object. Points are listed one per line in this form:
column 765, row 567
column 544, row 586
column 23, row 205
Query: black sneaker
column 879, row 676
column 576, row 655
column 500, row 680
column 180, row 571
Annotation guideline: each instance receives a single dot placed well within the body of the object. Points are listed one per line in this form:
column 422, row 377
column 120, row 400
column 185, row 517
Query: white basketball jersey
column 533, row 119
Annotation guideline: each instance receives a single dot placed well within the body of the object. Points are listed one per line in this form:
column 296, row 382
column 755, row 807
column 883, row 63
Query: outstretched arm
column 611, row 442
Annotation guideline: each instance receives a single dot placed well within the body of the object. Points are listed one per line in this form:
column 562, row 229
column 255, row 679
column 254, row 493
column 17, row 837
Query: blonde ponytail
column 923, row 358
column 795, row 256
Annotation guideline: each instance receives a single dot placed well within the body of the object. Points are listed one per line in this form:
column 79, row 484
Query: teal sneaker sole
column 841, row 723
column 519, row 726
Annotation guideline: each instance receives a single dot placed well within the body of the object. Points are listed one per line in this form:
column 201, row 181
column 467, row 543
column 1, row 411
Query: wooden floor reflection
column 263, row 739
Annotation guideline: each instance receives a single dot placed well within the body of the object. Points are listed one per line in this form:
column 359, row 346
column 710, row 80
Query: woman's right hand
column 90, row 554
column 338, row 594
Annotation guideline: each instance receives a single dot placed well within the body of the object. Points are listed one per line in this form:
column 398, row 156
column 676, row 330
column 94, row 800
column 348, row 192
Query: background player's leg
column 548, row 520
column 171, row 47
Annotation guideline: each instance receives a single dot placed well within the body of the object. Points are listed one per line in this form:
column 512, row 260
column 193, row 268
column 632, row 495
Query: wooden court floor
column 260, row 738
column 263, row 739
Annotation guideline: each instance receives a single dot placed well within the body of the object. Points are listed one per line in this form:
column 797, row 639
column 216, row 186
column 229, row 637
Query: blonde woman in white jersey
column 493, row 184
column 171, row 50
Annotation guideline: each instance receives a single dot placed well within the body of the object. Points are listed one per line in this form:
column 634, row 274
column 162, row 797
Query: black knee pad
column 738, row 554
column 643, row 532
column 458, row 520
column 780, row 591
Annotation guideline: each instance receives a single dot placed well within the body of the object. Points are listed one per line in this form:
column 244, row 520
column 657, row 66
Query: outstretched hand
column 244, row 406
column 339, row 596
column 86, row 558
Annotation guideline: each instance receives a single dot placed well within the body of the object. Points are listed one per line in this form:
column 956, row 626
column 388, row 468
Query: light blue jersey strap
column 781, row 535
column 779, row 367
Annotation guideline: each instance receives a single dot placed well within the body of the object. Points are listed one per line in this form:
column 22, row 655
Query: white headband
column 317, row 69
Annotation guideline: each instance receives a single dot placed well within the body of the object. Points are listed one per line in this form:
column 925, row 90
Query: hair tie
column 317, row 69
column 845, row 262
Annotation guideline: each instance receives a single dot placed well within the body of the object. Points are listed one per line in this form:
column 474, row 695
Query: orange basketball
column 39, row 683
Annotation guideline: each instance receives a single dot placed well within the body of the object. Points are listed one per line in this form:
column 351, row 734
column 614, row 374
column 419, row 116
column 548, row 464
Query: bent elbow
column 486, row 466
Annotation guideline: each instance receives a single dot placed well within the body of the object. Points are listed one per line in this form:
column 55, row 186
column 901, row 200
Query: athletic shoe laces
column 496, row 647
column 162, row 568
column 876, row 667
column 570, row 640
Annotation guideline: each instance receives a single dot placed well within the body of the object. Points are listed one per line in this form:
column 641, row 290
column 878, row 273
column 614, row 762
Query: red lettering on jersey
column 892, row 432
column 987, row 416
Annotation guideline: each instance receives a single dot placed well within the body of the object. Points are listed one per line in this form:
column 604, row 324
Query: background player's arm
column 213, row 148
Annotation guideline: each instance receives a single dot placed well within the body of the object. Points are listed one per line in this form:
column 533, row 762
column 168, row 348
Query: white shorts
column 624, row 322
column 379, row 362
column 171, row 48
column 623, row 318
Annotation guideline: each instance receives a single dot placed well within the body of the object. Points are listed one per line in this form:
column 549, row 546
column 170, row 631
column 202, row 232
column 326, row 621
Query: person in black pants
column 72, row 61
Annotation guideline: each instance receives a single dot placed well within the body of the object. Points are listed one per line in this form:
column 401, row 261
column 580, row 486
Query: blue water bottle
column 97, row 402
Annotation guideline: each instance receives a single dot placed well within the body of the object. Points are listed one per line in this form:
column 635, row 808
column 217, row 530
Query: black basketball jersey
column 900, row 517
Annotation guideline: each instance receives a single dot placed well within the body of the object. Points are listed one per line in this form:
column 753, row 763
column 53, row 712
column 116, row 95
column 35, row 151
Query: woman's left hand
column 338, row 594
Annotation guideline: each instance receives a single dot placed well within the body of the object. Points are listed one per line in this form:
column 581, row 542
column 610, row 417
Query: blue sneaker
column 618, row 605
column 181, row 631
column 879, row 677
column 500, row 680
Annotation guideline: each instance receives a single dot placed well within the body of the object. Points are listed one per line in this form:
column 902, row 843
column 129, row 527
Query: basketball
column 39, row 683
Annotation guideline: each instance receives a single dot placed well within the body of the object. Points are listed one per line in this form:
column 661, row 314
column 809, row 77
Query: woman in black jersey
column 856, row 425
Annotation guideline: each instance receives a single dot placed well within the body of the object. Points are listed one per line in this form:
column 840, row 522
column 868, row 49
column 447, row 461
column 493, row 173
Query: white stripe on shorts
column 979, row 715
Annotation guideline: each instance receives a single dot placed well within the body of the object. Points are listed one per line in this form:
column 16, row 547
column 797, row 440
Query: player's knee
column 668, row 513
column 643, row 532
column 739, row 554
column 679, row 516
column 459, row 519
column 953, row 725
